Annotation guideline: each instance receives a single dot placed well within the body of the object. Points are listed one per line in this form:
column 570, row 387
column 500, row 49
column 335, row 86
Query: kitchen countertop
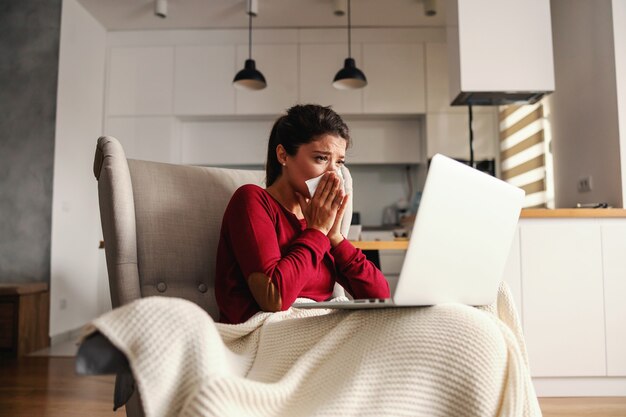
column 573, row 213
column 570, row 213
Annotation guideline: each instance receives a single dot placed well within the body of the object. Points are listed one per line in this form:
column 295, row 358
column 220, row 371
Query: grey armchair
column 161, row 225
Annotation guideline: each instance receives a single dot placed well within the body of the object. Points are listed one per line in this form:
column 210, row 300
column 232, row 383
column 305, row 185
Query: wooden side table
column 24, row 318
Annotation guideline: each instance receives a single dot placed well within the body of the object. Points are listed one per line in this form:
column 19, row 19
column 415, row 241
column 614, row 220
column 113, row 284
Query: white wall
column 619, row 39
column 584, row 105
column 75, row 213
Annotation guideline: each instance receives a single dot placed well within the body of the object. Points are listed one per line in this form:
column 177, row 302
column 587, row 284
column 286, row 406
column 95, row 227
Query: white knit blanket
column 447, row 360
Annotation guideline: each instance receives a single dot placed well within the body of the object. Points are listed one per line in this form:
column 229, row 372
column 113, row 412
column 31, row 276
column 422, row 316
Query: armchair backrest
column 161, row 224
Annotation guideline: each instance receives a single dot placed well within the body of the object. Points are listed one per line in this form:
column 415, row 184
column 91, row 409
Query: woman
column 280, row 243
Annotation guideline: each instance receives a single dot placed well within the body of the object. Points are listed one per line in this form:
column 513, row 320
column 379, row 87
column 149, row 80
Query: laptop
column 460, row 241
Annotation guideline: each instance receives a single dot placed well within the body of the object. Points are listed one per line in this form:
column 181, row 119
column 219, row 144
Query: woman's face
column 327, row 153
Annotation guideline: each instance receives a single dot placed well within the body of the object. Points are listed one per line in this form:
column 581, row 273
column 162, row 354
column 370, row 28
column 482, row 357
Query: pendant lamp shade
column 249, row 78
column 349, row 77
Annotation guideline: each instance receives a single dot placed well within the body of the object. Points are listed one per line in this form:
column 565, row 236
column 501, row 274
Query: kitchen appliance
column 499, row 51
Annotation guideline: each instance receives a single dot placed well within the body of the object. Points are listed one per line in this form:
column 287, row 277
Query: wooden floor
column 47, row 386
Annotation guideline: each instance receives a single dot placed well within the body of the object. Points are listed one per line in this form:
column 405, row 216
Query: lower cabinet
column 614, row 266
column 562, row 287
column 569, row 278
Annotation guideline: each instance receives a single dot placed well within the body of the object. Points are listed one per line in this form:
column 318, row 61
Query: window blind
column 525, row 159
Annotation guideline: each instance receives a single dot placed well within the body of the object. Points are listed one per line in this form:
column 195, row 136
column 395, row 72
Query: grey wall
column 29, row 45
column 584, row 112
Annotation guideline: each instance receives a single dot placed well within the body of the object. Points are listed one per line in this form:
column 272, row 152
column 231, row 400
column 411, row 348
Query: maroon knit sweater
column 259, row 235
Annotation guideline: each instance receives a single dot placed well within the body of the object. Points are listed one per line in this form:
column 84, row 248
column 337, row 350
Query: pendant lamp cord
column 349, row 37
column 471, row 135
column 250, row 33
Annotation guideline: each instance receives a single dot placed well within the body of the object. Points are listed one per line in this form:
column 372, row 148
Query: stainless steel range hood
column 499, row 51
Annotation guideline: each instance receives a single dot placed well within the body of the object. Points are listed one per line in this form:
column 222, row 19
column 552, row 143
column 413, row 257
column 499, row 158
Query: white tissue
column 314, row 182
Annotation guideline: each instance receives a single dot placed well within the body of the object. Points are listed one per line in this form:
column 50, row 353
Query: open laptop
column 460, row 241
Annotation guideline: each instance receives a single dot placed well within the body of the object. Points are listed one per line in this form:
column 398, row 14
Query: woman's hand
column 334, row 235
column 320, row 212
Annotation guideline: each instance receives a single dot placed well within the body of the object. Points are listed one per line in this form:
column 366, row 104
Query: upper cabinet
column 395, row 76
column 318, row 65
column 193, row 77
column 140, row 81
column 203, row 80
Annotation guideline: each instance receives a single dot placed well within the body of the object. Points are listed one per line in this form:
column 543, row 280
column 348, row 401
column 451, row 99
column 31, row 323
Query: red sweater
column 259, row 235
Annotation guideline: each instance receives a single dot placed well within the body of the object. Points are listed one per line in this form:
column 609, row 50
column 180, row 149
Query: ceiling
column 208, row 14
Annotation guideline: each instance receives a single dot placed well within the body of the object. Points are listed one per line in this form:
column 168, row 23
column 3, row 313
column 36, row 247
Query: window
column 525, row 158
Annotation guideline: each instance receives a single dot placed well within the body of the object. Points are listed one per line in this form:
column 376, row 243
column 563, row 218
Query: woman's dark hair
column 302, row 124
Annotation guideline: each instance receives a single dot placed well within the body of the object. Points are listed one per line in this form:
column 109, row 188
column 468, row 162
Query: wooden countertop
column 573, row 213
column 381, row 244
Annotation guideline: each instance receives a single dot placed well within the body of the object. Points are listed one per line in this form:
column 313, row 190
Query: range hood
column 499, row 51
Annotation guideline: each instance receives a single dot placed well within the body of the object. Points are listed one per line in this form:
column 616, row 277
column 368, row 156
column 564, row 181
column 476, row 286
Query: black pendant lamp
column 249, row 78
column 349, row 77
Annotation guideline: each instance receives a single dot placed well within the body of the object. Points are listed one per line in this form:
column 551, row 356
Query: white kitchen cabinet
column 318, row 65
column 613, row 250
column 448, row 133
column 391, row 261
column 147, row 138
column 384, row 141
column 203, row 80
column 390, row 265
column 395, row 76
column 140, row 81
column 562, row 301
column 225, row 142
column 279, row 65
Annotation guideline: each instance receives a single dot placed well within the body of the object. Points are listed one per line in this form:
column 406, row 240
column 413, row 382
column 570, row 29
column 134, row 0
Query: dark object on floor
column 98, row 356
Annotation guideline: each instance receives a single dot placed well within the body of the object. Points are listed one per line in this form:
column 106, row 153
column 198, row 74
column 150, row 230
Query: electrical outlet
column 584, row 184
